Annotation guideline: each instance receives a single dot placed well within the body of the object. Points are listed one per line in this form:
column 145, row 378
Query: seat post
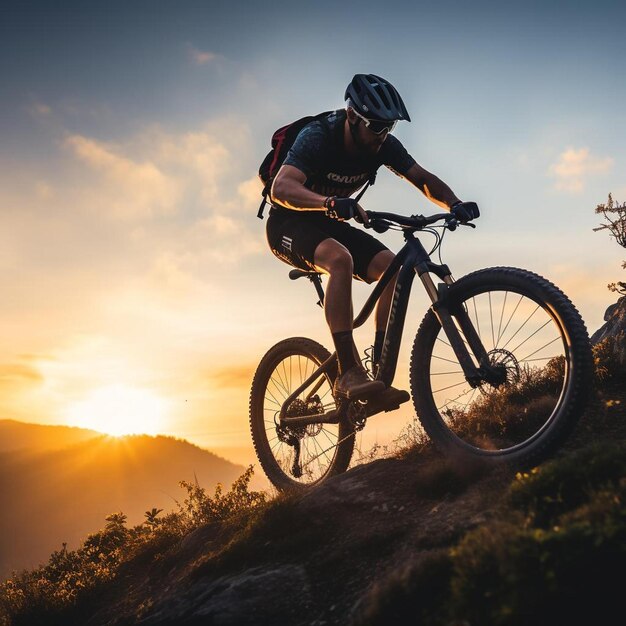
column 317, row 282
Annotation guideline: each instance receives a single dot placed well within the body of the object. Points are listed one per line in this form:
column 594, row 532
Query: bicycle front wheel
column 535, row 340
column 294, row 458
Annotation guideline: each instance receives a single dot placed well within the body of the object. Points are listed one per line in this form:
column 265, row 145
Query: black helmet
column 375, row 98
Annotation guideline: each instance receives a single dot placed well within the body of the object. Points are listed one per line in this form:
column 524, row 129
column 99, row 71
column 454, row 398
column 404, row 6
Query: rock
column 615, row 318
column 254, row 597
column 614, row 330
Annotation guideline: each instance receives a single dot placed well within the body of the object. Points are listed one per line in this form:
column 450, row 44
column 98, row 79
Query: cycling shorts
column 293, row 237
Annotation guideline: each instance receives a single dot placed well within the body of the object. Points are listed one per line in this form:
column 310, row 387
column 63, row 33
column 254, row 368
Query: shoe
column 388, row 400
column 354, row 384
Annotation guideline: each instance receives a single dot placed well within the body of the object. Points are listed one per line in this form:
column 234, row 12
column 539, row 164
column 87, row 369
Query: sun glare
column 119, row 410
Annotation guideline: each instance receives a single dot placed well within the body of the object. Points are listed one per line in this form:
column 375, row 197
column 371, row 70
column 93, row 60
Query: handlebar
column 381, row 221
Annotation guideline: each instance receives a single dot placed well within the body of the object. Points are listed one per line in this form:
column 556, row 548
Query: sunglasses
column 378, row 127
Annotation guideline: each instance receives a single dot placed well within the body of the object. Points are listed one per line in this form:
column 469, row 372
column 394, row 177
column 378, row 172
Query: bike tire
column 274, row 454
column 551, row 412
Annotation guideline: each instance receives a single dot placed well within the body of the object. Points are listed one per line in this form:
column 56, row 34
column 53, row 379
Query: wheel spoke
column 463, row 382
column 506, row 293
column 510, row 318
column 520, row 328
column 514, row 350
column 493, row 339
column 539, row 350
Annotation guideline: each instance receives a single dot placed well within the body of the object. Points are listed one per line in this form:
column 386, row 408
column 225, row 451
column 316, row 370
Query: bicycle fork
column 447, row 316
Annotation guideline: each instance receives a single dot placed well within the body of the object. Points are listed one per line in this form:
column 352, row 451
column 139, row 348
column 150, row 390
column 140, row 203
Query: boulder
column 614, row 330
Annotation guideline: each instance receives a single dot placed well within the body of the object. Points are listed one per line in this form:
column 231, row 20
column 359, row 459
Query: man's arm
column 289, row 191
column 431, row 186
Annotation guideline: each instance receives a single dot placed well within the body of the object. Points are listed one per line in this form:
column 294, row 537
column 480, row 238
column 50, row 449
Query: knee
column 379, row 264
column 334, row 258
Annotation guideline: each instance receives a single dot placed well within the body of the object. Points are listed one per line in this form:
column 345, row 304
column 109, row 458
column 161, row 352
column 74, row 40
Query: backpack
column 282, row 140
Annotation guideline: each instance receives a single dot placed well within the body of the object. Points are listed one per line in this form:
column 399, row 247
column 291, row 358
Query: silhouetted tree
column 614, row 214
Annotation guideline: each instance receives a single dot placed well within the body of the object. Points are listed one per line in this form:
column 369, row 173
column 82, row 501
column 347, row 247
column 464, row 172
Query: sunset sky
column 136, row 285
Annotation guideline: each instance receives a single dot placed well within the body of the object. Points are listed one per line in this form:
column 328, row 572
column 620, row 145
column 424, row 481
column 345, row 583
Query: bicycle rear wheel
column 535, row 340
column 297, row 457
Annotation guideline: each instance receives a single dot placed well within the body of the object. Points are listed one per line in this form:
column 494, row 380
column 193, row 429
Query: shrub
column 70, row 576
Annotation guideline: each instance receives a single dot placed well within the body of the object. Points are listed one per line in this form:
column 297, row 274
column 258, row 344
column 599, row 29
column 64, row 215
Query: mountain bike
column 500, row 368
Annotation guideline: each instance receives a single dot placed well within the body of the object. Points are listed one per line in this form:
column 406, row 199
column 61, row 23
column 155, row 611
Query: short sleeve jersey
column 319, row 153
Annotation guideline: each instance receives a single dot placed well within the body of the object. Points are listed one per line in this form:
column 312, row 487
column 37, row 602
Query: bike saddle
column 295, row 274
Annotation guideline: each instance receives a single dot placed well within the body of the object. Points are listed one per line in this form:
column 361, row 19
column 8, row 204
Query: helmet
column 375, row 98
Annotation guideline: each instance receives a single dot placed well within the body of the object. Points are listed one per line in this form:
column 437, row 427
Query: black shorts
column 293, row 237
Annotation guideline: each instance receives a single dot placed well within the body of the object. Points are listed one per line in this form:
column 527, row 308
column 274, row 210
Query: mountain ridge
column 56, row 491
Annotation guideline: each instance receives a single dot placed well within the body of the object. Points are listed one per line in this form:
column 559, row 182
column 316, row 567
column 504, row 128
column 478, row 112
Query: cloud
column 575, row 166
column 40, row 110
column 159, row 214
column 139, row 189
column 250, row 192
column 44, row 190
column 238, row 376
column 14, row 375
column 201, row 57
column 199, row 158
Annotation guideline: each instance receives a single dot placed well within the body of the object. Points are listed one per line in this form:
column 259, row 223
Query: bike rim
column 525, row 339
column 318, row 442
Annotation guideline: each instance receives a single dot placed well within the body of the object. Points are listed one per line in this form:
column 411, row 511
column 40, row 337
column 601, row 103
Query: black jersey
column 319, row 153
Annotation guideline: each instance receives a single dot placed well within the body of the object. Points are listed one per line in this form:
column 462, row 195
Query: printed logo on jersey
column 286, row 243
column 345, row 179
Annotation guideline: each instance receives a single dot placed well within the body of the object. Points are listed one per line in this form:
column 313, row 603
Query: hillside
column 21, row 436
column 405, row 540
column 60, row 488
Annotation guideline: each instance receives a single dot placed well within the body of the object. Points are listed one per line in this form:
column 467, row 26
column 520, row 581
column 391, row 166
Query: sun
column 119, row 410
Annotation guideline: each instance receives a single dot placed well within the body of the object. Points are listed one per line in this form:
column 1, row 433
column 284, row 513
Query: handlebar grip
column 379, row 227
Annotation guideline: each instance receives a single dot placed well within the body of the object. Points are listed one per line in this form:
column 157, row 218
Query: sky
column 135, row 277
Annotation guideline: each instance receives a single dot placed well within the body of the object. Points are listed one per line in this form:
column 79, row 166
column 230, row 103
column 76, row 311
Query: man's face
column 366, row 140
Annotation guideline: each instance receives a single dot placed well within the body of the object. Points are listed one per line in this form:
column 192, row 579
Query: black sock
column 344, row 345
column 379, row 339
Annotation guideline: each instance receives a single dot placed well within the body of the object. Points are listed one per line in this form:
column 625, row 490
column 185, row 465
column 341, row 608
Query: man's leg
column 392, row 398
column 334, row 259
column 377, row 267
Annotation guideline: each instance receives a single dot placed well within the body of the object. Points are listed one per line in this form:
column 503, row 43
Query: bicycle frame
column 412, row 259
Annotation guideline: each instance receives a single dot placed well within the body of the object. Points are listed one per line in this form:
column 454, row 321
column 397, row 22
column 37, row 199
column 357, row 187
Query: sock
column 379, row 339
column 345, row 350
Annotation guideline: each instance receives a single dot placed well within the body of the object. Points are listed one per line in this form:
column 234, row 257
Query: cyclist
column 307, row 226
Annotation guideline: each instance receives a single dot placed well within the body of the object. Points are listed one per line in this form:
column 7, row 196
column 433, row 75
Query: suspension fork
column 446, row 316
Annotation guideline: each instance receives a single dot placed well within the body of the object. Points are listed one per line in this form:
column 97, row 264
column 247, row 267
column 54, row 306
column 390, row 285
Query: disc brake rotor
column 507, row 364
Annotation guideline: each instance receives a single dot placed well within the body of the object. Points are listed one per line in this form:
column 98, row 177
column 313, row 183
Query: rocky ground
column 319, row 558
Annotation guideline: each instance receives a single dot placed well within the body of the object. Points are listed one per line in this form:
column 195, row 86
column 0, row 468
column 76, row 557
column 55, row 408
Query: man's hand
column 465, row 211
column 345, row 209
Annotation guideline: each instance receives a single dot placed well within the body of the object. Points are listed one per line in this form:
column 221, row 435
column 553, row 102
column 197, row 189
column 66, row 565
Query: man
column 330, row 159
